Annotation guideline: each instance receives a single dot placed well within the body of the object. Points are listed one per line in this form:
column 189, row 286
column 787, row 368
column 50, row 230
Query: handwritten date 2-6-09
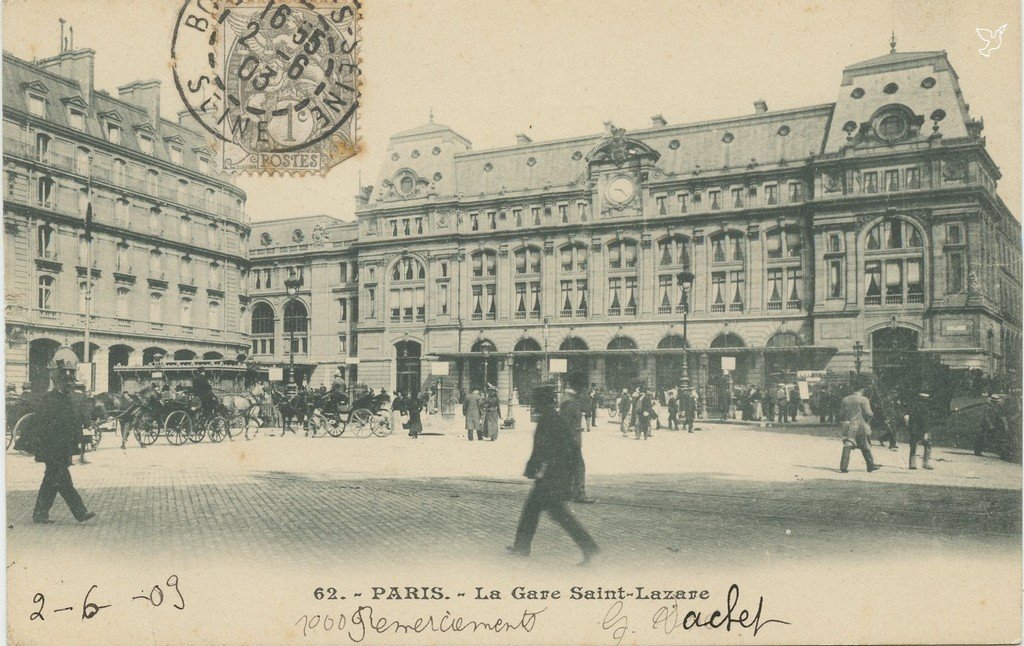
column 157, row 595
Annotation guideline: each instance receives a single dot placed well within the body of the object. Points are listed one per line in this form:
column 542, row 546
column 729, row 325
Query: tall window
column 484, row 285
column 528, row 299
column 894, row 263
column 182, row 195
column 835, row 278
column 727, row 247
column 573, row 287
column 43, row 147
column 715, row 197
column 216, row 276
column 407, row 298
column 535, row 211
column 83, row 291
column 123, row 297
column 45, row 295
column 120, row 169
column 82, row 163
column 953, row 251
column 123, row 261
column 186, row 311
column 114, row 133
column 46, row 242
column 681, row 202
column 37, row 106
column 623, row 297
column 155, row 220
column 771, row 194
column 262, row 329
column 737, row 198
column 156, row 314
column 718, row 291
column 152, row 182
column 44, row 192
column 796, row 192
column 216, row 321
column 156, row 269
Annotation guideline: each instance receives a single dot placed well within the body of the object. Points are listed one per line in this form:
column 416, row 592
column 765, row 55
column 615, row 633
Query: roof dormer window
column 76, row 119
column 176, row 156
column 37, row 106
column 146, row 144
column 114, row 133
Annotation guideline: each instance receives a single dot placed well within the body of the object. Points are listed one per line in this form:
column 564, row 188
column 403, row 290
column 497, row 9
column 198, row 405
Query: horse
column 293, row 407
column 246, row 405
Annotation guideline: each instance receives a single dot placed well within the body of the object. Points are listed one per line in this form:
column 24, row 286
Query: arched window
column 296, row 327
column 45, row 300
column 214, row 315
column 262, row 329
column 527, row 263
column 407, row 298
column 893, row 263
column 727, row 291
column 485, row 285
column 623, row 297
column 574, row 296
column 673, row 258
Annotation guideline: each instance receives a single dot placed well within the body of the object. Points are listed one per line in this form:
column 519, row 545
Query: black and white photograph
column 513, row 322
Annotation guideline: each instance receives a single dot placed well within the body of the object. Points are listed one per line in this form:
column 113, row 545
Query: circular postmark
column 275, row 80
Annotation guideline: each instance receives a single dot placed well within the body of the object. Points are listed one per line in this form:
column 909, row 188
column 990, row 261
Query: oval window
column 857, row 92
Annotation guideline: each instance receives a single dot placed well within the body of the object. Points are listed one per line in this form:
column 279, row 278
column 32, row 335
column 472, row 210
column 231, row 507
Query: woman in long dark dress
column 413, row 406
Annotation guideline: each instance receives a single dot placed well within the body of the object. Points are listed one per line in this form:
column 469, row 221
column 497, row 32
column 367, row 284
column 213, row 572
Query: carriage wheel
column 218, row 429
column 178, row 427
column 316, row 422
column 198, row 432
column 10, row 434
column 146, row 430
column 237, row 424
column 360, row 422
column 20, row 427
column 335, row 427
column 381, row 425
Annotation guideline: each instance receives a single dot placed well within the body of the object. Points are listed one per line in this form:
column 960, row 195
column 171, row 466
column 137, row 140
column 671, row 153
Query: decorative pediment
column 202, row 150
column 35, row 86
column 618, row 149
column 145, row 128
column 111, row 115
column 174, row 139
column 75, row 101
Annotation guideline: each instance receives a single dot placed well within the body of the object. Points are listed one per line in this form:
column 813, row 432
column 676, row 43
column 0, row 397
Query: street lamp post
column 291, row 286
column 858, row 350
column 510, row 418
column 686, row 284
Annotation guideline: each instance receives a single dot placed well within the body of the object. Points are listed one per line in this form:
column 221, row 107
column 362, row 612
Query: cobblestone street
column 677, row 503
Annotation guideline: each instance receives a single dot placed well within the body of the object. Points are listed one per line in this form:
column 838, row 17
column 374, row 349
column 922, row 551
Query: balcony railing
column 915, row 298
column 630, row 311
column 873, row 299
column 614, row 311
column 735, row 307
column 718, row 307
column 664, row 309
column 521, row 314
column 567, row 314
column 142, row 184
column 581, row 312
column 894, row 299
column 774, row 305
column 793, row 304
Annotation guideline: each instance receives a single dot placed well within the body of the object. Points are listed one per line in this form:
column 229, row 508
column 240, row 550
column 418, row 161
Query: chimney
column 760, row 107
column 145, row 94
column 658, row 121
column 75, row 65
column 186, row 120
column 522, row 139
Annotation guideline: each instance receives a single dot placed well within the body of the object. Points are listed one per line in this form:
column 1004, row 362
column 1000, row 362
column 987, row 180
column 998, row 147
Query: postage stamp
column 275, row 81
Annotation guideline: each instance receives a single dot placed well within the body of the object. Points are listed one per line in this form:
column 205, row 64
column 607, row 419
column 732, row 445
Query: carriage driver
column 203, row 392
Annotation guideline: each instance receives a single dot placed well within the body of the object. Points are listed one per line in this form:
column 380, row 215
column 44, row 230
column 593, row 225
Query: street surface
column 724, row 501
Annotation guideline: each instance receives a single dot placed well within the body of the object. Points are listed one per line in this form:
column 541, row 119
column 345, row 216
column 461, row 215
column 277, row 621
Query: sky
column 560, row 68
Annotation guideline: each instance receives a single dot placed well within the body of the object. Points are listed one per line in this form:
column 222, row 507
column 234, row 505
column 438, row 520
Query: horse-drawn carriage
column 362, row 414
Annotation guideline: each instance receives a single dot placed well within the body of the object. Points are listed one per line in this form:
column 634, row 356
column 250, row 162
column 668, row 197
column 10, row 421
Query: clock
column 620, row 190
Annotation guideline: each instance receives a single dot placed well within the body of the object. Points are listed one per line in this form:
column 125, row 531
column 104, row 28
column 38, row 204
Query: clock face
column 620, row 190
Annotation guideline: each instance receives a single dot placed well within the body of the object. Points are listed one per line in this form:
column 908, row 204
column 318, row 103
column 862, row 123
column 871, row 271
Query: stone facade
column 871, row 220
column 169, row 237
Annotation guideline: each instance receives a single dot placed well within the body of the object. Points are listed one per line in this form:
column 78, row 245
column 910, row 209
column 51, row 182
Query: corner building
column 169, row 234
column 871, row 220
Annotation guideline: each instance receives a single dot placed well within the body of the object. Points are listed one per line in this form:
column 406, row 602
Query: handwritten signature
column 671, row 618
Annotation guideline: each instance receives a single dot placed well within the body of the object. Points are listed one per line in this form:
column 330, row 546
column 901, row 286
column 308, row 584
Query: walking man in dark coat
column 919, row 430
column 552, row 467
column 592, row 399
column 572, row 412
column 673, row 412
column 688, row 405
column 58, row 426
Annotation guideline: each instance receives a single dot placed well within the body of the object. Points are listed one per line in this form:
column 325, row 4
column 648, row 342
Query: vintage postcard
column 512, row 322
